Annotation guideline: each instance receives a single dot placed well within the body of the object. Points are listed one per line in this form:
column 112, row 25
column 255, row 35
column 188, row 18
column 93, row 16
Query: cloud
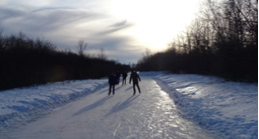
column 112, row 43
column 43, row 19
column 118, row 48
column 10, row 13
column 119, row 24
column 116, row 27
column 65, row 26
column 57, row 18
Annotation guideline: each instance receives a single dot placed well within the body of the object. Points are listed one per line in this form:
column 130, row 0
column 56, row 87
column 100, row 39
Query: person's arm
column 139, row 78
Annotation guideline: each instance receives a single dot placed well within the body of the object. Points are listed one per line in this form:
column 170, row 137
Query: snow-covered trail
column 151, row 115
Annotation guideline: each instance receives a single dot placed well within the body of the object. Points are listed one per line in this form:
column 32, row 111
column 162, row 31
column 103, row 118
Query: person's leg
column 118, row 78
column 110, row 87
column 138, row 88
column 134, row 89
column 113, row 87
column 123, row 81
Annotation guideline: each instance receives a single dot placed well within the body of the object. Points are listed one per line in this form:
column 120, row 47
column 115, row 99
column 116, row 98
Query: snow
column 228, row 108
column 23, row 104
column 171, row 106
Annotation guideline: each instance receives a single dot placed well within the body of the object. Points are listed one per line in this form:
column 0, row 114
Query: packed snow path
column 149, row 115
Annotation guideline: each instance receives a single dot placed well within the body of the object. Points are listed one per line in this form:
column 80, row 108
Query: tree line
column 25, row 62
column 222, row 41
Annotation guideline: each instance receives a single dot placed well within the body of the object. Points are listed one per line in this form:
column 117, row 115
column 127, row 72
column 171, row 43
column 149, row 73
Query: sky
column 123, row 29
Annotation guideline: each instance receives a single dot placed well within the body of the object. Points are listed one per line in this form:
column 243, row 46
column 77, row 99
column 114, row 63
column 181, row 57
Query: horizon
column 123, row 29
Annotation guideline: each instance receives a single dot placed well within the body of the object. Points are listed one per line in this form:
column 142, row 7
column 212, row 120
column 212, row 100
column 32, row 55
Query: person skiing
column 124, row 76
column 135, row 78
column 112, row 82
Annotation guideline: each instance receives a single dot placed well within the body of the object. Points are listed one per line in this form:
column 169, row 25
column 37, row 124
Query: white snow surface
column 171, row 106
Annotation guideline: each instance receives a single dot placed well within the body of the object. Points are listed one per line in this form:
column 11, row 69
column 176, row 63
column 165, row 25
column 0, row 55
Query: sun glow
column 157, row 22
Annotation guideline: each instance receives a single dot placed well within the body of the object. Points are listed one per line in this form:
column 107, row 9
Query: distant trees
column 24, row 62
column 222, row 41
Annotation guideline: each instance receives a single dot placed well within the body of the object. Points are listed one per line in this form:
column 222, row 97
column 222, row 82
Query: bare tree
column 81, row 47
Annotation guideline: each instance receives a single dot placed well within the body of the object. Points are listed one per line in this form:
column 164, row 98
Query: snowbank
column 23, row 104
column 226, row 108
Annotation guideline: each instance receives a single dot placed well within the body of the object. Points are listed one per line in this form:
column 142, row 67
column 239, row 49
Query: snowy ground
column 170, row 106
column 17, row 106
column 227, row 108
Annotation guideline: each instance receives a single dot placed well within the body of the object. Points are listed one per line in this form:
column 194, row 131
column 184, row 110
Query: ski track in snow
column 150, row 115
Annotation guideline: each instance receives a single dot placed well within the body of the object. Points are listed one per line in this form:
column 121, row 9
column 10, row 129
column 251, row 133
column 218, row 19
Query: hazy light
column 156, row 22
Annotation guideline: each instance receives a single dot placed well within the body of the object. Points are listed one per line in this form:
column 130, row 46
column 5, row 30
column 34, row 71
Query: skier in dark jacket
column 135, row 78
column 112, row 82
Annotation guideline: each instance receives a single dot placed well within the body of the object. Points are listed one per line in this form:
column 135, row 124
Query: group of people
column 114, row 79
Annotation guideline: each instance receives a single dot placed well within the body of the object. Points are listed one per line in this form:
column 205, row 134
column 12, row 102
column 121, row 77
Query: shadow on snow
column 120, row 106
column 93, row 106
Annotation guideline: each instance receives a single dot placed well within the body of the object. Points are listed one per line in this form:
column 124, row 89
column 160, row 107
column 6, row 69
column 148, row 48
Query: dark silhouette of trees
column 25, row 62
column 222, row 41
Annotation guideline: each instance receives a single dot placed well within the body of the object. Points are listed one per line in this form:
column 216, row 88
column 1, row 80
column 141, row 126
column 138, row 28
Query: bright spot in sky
column 156, row 22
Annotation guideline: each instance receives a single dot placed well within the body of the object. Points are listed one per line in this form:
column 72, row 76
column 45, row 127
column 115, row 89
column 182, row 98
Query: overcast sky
column 124, row 29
